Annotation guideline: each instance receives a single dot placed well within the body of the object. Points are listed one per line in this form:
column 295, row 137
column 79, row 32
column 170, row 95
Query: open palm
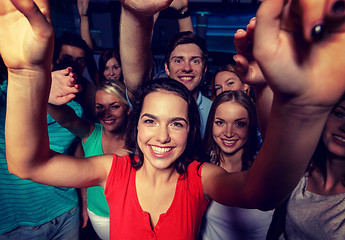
column 25, row 36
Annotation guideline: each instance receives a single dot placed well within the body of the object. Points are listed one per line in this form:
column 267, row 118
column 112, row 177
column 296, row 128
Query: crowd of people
column 147, row 157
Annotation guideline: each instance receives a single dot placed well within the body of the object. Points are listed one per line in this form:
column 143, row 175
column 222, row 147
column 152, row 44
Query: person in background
column 226, row 78
column 71, row 51
column 318, row 199
column 29, row 210
column 185, row 57
column 106, row 137
column 231, row 143
column 110, row 66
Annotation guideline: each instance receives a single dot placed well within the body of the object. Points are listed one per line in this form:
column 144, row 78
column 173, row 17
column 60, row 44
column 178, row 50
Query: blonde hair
column 114, row 88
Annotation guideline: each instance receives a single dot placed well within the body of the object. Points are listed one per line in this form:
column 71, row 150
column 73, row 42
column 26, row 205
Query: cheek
column 216, row 131
column 244, row 134
column 99, row 114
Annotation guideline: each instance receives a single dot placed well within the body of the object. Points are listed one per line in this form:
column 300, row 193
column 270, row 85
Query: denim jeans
column 64, row 227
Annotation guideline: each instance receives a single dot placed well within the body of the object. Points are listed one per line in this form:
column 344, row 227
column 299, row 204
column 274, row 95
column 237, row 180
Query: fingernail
column 235, row 58
column 338, row 7
column 317, row 32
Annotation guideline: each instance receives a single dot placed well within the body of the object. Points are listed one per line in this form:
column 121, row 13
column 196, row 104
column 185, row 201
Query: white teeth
column 160, row 150
column 186, row 78
column 108, row 121
column 228, row 142
column 339, row 138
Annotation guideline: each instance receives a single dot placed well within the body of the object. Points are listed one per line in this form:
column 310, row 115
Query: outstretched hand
column 26, row 36
column 145, row 7
column 300, row 64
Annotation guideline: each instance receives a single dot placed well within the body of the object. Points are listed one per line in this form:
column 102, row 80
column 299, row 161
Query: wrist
column 183, row 13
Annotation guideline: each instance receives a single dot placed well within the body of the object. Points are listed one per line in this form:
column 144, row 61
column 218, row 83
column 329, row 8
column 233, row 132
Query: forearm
column 185, row 24
column 65, row 116
column 85, row 30
column 292, row 135
column 264, row 99
column 26, row 119
column 135, row 48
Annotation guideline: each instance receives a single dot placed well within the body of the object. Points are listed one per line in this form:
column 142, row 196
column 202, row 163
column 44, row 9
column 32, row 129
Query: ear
column 245, row 87
column 205, row 70
column 129, row 111
column 167, row 69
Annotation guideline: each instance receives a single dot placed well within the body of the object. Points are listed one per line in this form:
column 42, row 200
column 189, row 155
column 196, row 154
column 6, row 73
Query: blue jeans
column 64, row 227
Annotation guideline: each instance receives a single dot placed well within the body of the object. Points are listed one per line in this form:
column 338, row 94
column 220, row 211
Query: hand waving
column 307, row 66
column 26, row 37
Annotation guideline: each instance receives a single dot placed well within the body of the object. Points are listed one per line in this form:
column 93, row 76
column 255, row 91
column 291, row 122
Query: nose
column 107, row 112
column 162, row 135
column 186, row 66
column 112, row 71
column 228, row 131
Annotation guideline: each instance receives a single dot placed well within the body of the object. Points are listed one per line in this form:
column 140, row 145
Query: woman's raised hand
column 26, row 34
column 299, row 45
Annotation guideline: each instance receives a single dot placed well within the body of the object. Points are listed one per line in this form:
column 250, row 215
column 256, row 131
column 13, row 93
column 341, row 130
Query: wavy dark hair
column 104, row 58
column 186, row 38
column 192, row 151
column 251, row 146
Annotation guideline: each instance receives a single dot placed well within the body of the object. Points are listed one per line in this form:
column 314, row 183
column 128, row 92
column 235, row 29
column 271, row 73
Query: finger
column 250, row 29
column 240, row 41
column 242, row 64
column 266, row 34
column 38, row 21
column 66, row 99
column 313, row 13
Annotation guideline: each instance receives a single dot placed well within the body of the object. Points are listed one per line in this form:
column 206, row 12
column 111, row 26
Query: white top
column 232, row 223
column 314, row 216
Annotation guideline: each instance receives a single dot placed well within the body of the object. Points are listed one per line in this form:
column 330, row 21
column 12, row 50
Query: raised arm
column 136, row 28
column 295, row 66
column 83, row 8
column 183, row 15
column 26, row 45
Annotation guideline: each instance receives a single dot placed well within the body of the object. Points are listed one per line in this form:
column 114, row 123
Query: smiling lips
column 108, row 122
column 340, row 139
column 229, row 143
column 160, row 151
column 186, row 78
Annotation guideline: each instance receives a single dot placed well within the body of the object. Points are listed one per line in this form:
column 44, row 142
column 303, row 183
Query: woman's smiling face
column 230, row 127
column 334, row 132
column 163, row 128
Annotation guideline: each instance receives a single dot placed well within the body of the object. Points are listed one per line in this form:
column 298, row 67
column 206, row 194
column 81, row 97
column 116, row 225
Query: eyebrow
column 109, row 104
column 193, row 57
column 171, row 120
column 238, row 119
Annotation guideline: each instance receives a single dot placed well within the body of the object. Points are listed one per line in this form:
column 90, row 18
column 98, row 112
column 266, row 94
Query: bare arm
column 26, row 45
column 83, row 7
column 300, row 107
column 185, row 23
column 136, row 28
